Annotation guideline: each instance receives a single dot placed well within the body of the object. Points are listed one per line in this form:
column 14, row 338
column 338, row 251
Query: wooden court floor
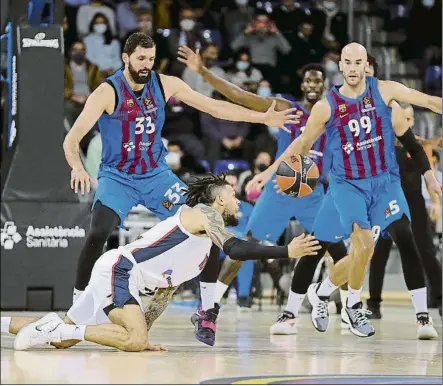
column 243, row 348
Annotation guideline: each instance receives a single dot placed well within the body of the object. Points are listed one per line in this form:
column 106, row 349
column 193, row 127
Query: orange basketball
column 297, row 176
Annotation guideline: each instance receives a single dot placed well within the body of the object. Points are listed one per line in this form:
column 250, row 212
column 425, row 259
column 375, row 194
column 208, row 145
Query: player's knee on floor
column 135, row 342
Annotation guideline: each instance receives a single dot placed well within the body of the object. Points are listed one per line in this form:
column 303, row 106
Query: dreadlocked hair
column 204, row 190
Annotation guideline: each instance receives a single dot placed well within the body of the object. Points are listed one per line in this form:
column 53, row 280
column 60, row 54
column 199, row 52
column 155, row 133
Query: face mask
column 329, row 5
column 145, row 25
column 100, row 28
column 261, row 167
column 331, row 66
column 173, row 158
column 209, row 62
column 242, row 66
column 187, row 24
column 273, row 131
column 264, row 91
column 428, row 3
column 241, row 2
column 78, row 58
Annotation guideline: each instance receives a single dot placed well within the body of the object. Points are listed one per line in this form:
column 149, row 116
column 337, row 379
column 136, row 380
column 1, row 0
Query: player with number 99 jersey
column 133, row 150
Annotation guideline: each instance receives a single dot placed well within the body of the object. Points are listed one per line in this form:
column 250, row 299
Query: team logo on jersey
column 167, row 205
column 130, row 102
column 148, row 103
column 387, row 212
column 348, row 148
column 342, row 108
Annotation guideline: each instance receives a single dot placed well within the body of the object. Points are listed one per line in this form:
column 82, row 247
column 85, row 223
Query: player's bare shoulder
column 104, row 97
column 171, row 85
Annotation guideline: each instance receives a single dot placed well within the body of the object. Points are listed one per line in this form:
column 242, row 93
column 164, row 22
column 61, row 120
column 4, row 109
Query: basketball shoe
column 205, row 324
column 425, row 327
column 42, row 331
column 320, row 313
column 356, row 318
column 285, row 324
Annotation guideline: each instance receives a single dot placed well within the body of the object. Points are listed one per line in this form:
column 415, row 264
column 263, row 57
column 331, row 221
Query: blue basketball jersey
column 319, row 152
column 131, row 135
column 360, row 133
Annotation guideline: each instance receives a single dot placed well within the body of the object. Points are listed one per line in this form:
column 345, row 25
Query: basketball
column 297, row 176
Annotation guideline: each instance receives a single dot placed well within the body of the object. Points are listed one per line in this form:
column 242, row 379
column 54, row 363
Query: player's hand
column 79, row 177
column 279, row 119
column 155, row 347
column 192, row 59
column 259, row 180
column 433, row 186
column 303, row 245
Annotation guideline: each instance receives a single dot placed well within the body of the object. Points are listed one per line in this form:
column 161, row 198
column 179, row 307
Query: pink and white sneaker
column 285, row 324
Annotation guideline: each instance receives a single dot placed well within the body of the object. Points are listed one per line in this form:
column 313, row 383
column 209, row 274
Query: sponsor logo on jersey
column 144, row 145
column 348, row 148
column 368, row 143
column 168, row 205
column 40, row 41
column 129, row 146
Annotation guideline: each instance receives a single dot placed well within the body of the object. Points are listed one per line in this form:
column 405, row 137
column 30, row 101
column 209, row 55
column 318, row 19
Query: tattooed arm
column 237, row 249
column 158, row 304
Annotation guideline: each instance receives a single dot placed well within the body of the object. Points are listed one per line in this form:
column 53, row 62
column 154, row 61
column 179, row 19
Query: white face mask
column 428, row 3
column 329, row 5
column 100, row 28
column 241, row 2
column 187, row 24
column 173, row 158
column 331, row 66
column 264, row 91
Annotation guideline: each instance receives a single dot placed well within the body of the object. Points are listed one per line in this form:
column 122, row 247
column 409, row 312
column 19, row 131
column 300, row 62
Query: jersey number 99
column 365, row 123
column 144, row 125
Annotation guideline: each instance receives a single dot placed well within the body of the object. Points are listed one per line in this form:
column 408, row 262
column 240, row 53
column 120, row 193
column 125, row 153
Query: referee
column 411, row 182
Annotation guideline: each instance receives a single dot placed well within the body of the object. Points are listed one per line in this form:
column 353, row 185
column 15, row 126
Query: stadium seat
column 226, row 165
column 205, row 164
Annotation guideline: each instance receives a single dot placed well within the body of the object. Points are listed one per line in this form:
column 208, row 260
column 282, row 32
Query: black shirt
column 409, row 172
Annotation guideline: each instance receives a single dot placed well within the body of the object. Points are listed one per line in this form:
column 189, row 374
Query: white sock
column 343, row 296
column 353, row 296
column 419, row 299
column 327, row 287
column 207, row 294
column 76, row 294
column 69, row 331
column 5, row 323
column 220, row 290
column 294, row 302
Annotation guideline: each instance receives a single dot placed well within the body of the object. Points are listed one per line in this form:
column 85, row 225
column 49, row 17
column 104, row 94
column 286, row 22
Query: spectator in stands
column 146, row 24
column 209, row 56
column 264, row 41
column 101, row 47
column 288, row 17
column 333, row 74
column 243, row 73
column 127, row 15
column 235, row 21
column 261, row 162
column 188, row 34
column 87, row 12
column 81, row 78
column 69, row 34
column 435, row 163
column 181, row 124
column 331, row 26
column 182, row 164
column 205, row 18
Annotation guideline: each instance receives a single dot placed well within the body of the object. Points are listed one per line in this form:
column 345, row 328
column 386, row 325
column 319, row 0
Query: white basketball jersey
column 169, row 253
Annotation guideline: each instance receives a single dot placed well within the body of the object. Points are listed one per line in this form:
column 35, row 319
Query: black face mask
column 78, row 58
column 261, row 167
column 209, row 62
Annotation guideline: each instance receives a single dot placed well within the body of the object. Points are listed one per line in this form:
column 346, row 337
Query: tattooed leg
column 158, row 304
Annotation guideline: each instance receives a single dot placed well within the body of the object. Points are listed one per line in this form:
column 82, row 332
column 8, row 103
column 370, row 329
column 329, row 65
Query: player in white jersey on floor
column 110, row 312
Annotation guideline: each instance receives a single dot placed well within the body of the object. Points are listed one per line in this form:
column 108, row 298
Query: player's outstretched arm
column 95, row 105
column 175, row 87
column 158, row 304
column 407, row 138
column 238, row 249
column 399, row 92
column 315, row 126
column 229, row 90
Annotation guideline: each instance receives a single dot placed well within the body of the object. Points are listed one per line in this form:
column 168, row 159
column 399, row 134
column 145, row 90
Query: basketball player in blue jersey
column 129, row 107
column 276, row 209
column 358, row 121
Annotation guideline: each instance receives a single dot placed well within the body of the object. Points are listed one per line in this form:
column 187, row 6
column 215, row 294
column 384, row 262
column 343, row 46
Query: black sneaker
column 374, row 307
column 205, row 325
column 244, row 303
